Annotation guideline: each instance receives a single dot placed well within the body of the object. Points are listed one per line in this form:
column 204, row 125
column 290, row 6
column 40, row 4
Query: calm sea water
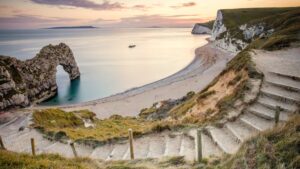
column 106, row 63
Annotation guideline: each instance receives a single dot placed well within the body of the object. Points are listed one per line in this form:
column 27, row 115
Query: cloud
column 105, row 5
column 141, row 7
column 33, row 21
column 183, row 5
column 156, row 21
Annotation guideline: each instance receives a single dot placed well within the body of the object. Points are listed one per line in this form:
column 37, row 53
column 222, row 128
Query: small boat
column 132, row 46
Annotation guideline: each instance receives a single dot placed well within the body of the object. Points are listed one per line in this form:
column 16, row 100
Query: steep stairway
column 280, row 91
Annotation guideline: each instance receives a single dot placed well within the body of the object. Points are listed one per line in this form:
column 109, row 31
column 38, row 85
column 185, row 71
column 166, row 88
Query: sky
column 32, row 14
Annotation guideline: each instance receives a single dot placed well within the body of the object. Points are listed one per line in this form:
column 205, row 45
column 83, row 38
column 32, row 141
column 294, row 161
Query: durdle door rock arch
column 34, row 80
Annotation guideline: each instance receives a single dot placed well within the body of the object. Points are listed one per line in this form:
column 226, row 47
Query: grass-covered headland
column 277, row 148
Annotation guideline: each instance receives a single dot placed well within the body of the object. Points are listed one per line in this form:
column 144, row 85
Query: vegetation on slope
column 233, row 18
column 281, row 23
column 209, row 24
column 58, row 124
column 287, row 31
column 11, row 160
column 275, row 148
column 207, row 106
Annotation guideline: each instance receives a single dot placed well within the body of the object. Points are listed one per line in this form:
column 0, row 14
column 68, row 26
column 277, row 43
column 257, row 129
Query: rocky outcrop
column 201, row 29
column 236, row 38
column 25, row 82
column 219, row 26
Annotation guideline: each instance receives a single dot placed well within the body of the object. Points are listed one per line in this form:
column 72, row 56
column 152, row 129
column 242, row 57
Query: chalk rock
column 25, row 82
column 201, row 29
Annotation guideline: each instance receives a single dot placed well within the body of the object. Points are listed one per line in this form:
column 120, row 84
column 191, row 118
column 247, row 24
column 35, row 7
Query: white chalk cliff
column 237, row 39
column 201, row 29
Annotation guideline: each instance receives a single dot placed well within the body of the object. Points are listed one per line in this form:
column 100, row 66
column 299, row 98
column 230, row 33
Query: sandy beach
column 209, row 61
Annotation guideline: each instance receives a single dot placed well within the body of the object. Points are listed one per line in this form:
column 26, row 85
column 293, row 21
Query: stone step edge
column 287, row 87
column 274, row 107
column 287, row 76
column 279, row 97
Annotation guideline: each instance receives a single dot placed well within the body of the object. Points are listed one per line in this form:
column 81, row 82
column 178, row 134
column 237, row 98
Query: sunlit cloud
column 157, row 21
column 105, row 5
column 183, row 5
column 29, row 21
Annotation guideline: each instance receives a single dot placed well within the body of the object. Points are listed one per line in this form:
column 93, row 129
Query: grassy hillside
column 208, row 24
column 277, row 148
column 236, row 17
column 283, row 22
column 59, row 125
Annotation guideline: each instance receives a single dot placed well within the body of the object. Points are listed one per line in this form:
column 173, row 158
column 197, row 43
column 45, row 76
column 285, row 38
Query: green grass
column 86, row 114
column 205, row 94
column 208, row 24
column 58, row 124
column 181, row 109
column 236, row 17
column 56, row 118
column 227, row 102
column 284, row 22
column 10, row 160
column 276, row 148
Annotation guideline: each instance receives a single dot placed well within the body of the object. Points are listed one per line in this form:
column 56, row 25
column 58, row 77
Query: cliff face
column 234, row 29
column 34, row 80
column 200, row 29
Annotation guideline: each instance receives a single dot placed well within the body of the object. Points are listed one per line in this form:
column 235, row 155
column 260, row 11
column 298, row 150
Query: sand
column 209, row 61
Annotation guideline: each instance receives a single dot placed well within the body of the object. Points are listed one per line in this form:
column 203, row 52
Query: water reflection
column 106, row 63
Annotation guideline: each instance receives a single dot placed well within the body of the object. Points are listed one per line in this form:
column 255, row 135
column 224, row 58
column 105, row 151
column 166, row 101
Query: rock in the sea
column 201, row 29
column 25, row 82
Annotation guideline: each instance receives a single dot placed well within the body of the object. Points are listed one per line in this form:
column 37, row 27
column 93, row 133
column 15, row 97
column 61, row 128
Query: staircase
column 278, row 89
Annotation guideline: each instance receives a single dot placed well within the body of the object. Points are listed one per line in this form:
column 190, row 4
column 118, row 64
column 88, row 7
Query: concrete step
column 267, row 113
column 173, row 144
column 118, row 152
column 224, row 139
column 291, row 77
column 240, row 130
column 61, row 149
column 15, row 124
column 187, row 148
column 13, row 120
column 157, row 146
column 273, row 103
column 83, row 151
column 280, row 93
column 102, row 152
column 209, row 148
column 141, row 147
column 282, row 81
column 256, row 122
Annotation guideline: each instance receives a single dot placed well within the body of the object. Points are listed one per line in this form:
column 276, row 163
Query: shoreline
column 208, row 62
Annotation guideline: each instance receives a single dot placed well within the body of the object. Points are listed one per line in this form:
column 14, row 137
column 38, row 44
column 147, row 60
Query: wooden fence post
column 1, row 144
column 73, row 149
column 32, row 146
column 198, row 146
column 131, row 144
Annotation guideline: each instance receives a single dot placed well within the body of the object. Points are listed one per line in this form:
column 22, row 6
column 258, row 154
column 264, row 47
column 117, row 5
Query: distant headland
column 73, row 27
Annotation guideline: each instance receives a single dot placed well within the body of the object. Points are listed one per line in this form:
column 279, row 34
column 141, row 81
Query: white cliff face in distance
column 201, row 29
column 224, row 38
column 219, row 26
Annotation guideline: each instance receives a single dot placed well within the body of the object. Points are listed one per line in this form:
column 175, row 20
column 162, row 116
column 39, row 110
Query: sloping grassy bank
column 194, row 109
column 60, row 125
column 276, row 148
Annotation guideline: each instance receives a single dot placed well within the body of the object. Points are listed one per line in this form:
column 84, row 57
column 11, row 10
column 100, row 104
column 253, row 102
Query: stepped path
column 280, row 87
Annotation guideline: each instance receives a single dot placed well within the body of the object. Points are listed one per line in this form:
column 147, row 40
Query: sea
column 106, row 63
